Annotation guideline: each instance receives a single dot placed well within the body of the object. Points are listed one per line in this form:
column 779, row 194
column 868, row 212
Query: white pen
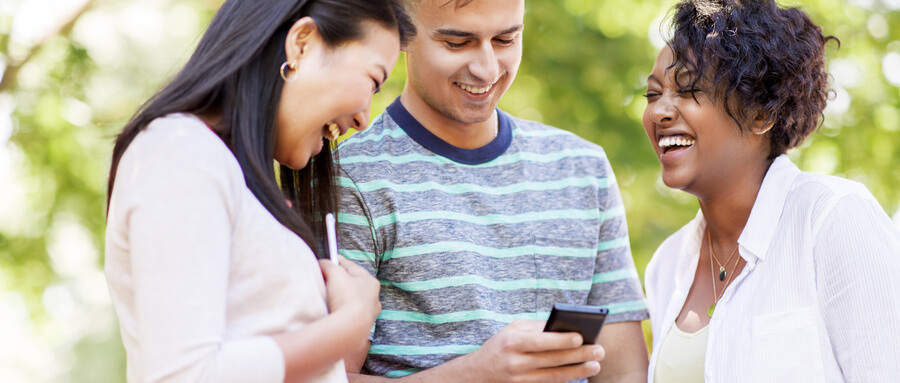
column 332, row 237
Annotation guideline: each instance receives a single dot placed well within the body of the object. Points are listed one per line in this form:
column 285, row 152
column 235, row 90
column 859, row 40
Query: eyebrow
column 459, row 33
column 683, row 74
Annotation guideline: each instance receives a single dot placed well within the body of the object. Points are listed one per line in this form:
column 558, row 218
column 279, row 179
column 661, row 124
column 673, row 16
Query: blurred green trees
column 73, row 71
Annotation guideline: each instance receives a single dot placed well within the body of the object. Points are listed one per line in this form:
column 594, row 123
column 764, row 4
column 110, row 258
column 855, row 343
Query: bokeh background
column 73, row 71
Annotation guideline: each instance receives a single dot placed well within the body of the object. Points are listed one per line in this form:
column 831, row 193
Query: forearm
column 316, row 347
column 626, row 353
column 456, row 370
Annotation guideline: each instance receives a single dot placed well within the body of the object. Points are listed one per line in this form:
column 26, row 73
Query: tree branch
column 12, row 69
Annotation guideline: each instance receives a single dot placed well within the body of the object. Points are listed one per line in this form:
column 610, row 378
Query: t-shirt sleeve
column 616, row 285
column 356, row 228
column 176, row 198
column 356, row 231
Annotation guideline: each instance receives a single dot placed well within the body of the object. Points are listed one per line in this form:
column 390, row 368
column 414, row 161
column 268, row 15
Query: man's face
column 462, row 60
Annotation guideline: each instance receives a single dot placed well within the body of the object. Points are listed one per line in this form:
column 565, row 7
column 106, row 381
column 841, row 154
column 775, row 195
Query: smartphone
column 586, row 320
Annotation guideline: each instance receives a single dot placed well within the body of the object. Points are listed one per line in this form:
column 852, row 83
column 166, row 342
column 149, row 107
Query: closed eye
column 652, row 94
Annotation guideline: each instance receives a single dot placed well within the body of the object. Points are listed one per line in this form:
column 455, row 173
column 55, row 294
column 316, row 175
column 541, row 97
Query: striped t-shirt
column 464, row 241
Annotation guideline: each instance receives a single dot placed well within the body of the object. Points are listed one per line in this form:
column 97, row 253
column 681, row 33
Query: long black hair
column 234, row 75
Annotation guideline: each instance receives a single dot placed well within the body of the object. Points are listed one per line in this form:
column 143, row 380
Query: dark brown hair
column 764, row 61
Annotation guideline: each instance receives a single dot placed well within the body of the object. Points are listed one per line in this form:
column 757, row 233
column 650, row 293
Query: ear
column 761, row 123
column 302, row 36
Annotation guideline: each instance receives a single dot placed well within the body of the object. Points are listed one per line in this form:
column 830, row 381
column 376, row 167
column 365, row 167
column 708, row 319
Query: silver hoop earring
column 292, row 65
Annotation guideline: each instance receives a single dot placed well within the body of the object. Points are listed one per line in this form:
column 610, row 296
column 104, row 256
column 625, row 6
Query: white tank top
column 681, row 357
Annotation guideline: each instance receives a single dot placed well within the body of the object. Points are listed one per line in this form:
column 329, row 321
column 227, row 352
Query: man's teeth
column 666, row 142
column 475, row 90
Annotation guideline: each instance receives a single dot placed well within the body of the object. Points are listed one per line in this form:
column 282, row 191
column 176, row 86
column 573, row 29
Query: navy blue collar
column 477, row 156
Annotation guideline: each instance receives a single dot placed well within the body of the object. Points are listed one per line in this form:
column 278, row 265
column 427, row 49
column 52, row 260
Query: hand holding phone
column 586, row 320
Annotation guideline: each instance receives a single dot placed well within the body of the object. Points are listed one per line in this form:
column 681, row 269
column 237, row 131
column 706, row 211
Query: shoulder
column 180, row 135
column 822, row 186
column 833, row 207
column 178, row 146
column 818, row 195
column 546, row 134
column 558, row 146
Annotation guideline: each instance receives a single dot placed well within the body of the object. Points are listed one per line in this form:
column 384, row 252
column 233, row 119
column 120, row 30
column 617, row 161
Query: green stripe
column 459, row 316
column 459, row 349
column 393, row 133
column 622, row 307
column 446, row 247
column 357, row 255
column 352, row 219
column 474, row 188
column 613, row 244
column 502, row 160
column 612, row 276
column 473, row 315
column 615, row 212
column 485, row 220
column 463, row 280
column 401, row 373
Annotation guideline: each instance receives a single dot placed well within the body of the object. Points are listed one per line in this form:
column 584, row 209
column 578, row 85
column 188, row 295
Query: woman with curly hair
column 783, row 276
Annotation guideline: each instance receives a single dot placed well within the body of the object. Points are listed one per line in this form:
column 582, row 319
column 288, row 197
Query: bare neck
column 727, row 207
column 460, row 134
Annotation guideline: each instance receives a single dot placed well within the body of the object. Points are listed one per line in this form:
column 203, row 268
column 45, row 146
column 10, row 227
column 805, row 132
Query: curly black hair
column 764, row 61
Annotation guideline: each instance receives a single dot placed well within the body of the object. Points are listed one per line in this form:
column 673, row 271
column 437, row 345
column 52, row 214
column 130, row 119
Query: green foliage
column 584, row 69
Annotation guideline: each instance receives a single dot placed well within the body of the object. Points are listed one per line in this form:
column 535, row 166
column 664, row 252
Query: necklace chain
column 712, row 254
column 717, row 294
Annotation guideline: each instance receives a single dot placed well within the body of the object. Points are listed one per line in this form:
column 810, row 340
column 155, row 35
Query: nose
column 360, row 119
column 663, row 112
column 485, row 65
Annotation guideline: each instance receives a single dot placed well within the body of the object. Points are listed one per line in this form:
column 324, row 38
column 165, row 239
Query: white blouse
column 819, row 298
column 200, row 273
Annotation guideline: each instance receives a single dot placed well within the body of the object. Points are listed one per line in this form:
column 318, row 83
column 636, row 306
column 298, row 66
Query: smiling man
column 477, row 222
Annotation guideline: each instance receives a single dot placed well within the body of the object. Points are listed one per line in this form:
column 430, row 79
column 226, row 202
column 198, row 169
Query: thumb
column 327, row 267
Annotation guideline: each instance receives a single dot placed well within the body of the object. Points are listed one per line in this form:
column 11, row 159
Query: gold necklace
column 722, row 273
column 717, row 295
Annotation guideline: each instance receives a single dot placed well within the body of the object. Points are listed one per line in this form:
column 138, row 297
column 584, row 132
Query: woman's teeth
column 332, row 132
column 474, row 90
column 671, row 141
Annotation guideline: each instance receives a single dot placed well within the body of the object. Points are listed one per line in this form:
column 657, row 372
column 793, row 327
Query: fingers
column 327, row 267
column 528, row 338
column 579, row 355
column 526, row 325
column 352, row 267
column 565, row 373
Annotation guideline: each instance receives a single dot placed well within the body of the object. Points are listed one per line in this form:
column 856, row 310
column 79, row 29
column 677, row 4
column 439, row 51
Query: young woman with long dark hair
column 783, row 276
column 211, row 254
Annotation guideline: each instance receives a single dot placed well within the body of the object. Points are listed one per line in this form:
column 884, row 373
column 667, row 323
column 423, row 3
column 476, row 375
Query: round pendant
column 722, row 273
column 712, row 308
